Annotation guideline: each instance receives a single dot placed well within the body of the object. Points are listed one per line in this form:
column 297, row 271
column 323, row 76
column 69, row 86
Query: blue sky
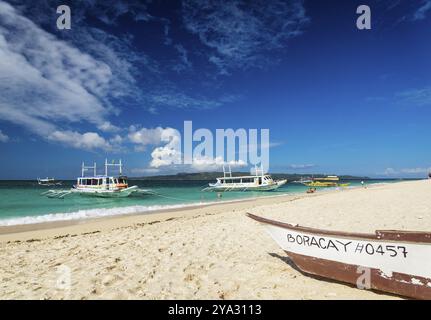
column 336, row 99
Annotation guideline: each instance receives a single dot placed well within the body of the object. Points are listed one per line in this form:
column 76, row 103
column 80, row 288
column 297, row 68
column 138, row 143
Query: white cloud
column 46, row 82
column 199, row 165
column 212, row 164
column 418, row 171
column 86, row 141
column 144, row 137
column 390, row 171
column 302, row 166
column 170, row 153
column 417, row 97
column 3, row 137
column 184, row 63
column 423, row 10
column 174, row 99
column 240, row 32
column 108, row 127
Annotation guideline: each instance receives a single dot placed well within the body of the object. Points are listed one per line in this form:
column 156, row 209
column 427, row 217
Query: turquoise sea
column 21, row 202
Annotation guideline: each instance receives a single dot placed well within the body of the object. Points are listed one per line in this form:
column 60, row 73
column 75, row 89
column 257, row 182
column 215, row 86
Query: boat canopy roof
column 328, row 178
column 243, row 177
column 102, row 176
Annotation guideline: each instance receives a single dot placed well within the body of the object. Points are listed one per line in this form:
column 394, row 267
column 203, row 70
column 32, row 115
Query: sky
column 336, row 99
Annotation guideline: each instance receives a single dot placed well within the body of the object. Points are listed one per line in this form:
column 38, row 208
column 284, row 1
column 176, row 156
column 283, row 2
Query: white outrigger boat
column 104, row 186
column 48, row 182
column 257, row 182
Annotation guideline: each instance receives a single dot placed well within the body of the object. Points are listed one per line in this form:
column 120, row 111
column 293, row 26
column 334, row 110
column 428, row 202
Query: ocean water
column 21, row 202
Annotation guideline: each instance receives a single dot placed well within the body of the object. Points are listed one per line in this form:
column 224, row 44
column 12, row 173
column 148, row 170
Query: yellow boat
column 329, row 181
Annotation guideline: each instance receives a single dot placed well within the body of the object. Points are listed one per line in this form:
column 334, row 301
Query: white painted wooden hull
column 107, row 193
column 245, row 187
column 396, row 261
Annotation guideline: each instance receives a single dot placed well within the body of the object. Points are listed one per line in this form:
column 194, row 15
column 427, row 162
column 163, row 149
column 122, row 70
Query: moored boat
column 103, row 185
column 328, row 181
column 257, row 182
column 398, row 262
column 48, row 182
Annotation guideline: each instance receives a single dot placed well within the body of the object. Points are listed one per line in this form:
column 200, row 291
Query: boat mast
column 85, row 168
column 229, row 172
column 119, row 164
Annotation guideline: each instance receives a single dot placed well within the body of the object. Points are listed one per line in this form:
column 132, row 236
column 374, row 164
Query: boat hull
column 108, row 193
column 239, row 188
column 325, row 184
column 399, row 283
column 397, row 262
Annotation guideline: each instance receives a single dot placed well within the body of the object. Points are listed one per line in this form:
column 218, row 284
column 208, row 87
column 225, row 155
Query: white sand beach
column 212, row 252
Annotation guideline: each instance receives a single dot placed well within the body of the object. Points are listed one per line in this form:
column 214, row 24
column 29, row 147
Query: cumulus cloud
column 108, row 127
column 86, row 141
column 167, row 152
column 170, row 153
column 200, row 164
column 212, row 164
column 144, row 137
column 3, row 137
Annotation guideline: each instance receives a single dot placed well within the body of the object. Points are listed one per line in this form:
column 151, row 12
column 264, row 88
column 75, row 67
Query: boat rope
column 167, row 197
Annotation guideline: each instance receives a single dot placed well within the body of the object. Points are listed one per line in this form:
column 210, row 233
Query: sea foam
column 92, row 213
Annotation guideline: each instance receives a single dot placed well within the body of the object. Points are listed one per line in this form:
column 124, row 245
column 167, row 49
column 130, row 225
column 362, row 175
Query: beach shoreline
column 61, row 227
column 210, row 252
column 8, row 231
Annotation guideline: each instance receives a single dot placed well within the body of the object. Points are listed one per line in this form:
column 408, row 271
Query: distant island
column 209, row 176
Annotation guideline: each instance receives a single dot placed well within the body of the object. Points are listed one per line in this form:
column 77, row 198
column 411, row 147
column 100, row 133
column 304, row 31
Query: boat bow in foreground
column 398, row 262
